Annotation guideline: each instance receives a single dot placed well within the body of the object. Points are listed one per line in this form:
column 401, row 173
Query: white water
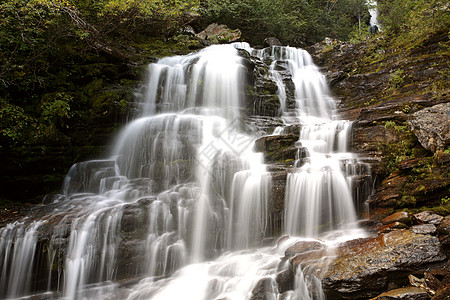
column 183, row 202
column 373, row 11
column 318, row 194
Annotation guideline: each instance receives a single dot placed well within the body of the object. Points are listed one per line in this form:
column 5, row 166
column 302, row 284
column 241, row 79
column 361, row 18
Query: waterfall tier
column 183, row 206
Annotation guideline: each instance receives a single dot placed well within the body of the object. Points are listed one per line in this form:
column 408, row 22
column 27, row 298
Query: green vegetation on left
column 51, row 48
column 67, row 73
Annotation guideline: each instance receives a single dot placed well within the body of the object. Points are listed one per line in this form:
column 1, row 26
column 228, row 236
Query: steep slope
column 382, row 86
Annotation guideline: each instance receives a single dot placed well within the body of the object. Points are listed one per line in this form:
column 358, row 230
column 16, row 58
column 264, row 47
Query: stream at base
column 181, row 208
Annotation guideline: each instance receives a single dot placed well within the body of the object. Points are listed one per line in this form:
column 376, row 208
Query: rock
column 407, row 293
column 424, row 229
column 427, row 217
column 432, row 282
column 442, row 294
column 362, row 268
column 219, row 34
column 285, row 281
column 389, row 190
column 278, row 148
column 264, row 289
column 420, row 283
column 188, row 30
column 303, row 246
column 335, row 77
column 399, row 216
column 432, row 126
column 272, row 41
column 391, row 226
column 444, row 226
column 412, row 163
column 86, row 176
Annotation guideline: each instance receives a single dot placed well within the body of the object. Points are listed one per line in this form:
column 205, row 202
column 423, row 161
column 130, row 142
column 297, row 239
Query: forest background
column 68, row 68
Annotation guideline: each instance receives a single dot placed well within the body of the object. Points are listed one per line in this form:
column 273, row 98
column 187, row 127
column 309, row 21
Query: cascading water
column 373, row 11
column 181, row 207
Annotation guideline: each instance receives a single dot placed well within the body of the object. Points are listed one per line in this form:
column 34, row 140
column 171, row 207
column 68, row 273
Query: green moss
column 406, row 201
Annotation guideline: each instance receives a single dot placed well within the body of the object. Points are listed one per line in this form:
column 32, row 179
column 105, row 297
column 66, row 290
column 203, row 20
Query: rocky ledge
column 406, row 258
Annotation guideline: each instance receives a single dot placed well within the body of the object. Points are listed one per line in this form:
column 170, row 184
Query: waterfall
column 181, row 207
column 17, row 247
column 318, row 194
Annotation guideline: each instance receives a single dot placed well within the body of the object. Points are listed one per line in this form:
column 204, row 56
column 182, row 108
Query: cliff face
column 392, row 92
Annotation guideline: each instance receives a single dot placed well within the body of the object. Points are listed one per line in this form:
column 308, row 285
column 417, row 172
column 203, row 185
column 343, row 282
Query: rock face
column 369, row 92
column 361, row 269
column 278, row 148
column 432, row 126
column 218, row 34
column 398, row 120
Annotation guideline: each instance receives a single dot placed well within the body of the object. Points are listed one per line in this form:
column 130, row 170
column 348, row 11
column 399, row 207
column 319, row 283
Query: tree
column 294, row 22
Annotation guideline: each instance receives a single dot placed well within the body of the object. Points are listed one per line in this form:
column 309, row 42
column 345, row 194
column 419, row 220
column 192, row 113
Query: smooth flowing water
column 180, row 208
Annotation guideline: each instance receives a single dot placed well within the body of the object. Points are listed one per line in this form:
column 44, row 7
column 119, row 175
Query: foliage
column 293, row 22
column 398, row 151
column 52, row 51
column 14, row 124
column 397, row 79
column 415, row 17
column 154, row 17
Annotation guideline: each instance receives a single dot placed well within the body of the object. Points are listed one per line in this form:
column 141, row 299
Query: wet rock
column 264, row 289
column 432, row 127
column 424, row 229
column 262, row 125
column 419, row 283
column 303, row 246
column 285, row 280
column 278, row 148
column 432, row 282
column 412, row 163
column 362, row 268
column 275, row 225
column 131, row 254
column 391, row 226
column 407, row 293
column 443, row 293
column 427, row 217
column 444, row 226
column 86, row 176
column 218, row 34
column 399, row 216
column 389, row 190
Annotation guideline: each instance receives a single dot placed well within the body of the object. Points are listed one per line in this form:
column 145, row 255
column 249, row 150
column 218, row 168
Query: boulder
column 407, row 293
column 399, row 216
column 432, row 126
column 424, row 229
column 364, row 268
column 219, row 34
column 285, row 280
column 264, row 289
column 272, row 41
column 391, row 226
column 303, row 246
column 427, row 217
